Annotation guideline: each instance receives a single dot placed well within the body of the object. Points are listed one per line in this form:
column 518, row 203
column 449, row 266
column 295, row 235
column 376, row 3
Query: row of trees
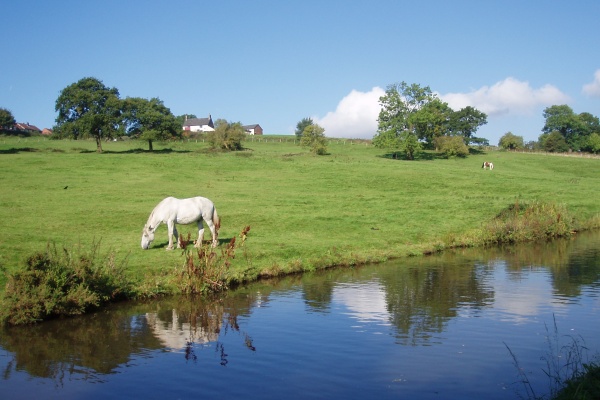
column 563, row 131
column 89, row 108
column 413, row 117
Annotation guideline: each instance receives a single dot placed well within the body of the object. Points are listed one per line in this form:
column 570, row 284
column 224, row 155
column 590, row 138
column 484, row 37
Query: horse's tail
column 483, row 165
column 216, row 219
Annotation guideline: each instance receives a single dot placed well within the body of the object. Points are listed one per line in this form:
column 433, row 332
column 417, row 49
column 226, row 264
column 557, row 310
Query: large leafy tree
column 412, row 116
column 7, row 121
column 88, row 108
column 466, row 121
column 399, row 120
column 554, row 142
column 150, row 119
column 432, row 120
column 562, row 119
column 301, row 125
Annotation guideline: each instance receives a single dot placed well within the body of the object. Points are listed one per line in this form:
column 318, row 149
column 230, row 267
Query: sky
column 275, row 62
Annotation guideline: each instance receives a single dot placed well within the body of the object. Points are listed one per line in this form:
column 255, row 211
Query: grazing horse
column 173, row 211
column 487, row 164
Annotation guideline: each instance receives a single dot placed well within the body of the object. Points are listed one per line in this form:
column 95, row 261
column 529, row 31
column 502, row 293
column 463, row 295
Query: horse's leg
column 213, row 232
column 170, row 228
column 200, row 234
column 176, row 235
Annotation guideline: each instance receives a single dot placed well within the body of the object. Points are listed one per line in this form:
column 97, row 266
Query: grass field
column 305, row 211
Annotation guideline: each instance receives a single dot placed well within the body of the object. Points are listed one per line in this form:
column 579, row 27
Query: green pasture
column 305, row 212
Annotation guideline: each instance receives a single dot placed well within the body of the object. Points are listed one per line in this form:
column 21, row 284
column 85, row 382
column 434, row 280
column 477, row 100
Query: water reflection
column 414, row 301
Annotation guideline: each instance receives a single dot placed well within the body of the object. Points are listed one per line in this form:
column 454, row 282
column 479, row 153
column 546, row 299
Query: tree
column 399, row 119
column 466, row 121
column 88, row 107
column 563, row 120
column 594, row 143
column 511, row 142
column 554, row 142
column 227, row 135
column 7, row 121
column 313, row 136
column 301, row 125
column 150, row 119
column 432, row 120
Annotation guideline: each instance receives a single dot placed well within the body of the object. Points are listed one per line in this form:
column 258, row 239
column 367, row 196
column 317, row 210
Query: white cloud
column 509, row 96
column 593, row 89
column 355, row 116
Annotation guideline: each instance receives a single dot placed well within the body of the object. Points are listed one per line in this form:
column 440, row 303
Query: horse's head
column 147, row 237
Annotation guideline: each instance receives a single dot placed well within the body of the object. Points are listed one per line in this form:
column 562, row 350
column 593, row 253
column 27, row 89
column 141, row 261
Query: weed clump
column 528, row 222
column 205, row 271
column 62, row 282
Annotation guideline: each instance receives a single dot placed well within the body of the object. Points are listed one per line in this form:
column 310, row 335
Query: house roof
column 251, row 126
column 22, row 126
column 198, row 122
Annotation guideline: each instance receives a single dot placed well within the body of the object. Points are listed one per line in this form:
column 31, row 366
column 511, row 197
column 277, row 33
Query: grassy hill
column 305, row 212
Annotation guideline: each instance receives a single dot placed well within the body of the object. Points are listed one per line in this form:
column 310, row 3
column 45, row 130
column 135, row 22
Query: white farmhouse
column 199, row 124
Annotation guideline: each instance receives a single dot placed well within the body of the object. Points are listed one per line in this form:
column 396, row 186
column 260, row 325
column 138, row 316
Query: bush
column 313, row 136
column 227, row 136
column 527, row 222
column 62, row 283
column 451, row 146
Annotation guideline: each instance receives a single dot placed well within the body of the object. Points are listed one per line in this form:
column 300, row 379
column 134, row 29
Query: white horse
column 487, row 164
column 173, row 211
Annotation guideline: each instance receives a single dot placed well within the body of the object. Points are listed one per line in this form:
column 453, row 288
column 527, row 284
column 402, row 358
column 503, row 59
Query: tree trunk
column 98, row 144
column 150, row 148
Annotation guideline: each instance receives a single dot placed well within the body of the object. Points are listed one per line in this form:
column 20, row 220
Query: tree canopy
column 88, row 107
column 7, row 121
column 301, row 125
column 412, row 117
column 574, row 128
column 149, row 119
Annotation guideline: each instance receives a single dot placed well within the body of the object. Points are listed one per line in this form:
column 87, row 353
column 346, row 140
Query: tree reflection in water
column 414, row 300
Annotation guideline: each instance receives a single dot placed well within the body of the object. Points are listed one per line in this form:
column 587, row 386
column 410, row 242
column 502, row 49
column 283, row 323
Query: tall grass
column 571, row 375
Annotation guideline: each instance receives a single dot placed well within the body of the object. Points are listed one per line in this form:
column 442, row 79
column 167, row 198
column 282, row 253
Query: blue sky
column 274, row 62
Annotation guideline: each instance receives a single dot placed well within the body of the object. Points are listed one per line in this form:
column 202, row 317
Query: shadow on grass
column 424, row 156
column 15, row 150
column 163, row 245
column 136, row 151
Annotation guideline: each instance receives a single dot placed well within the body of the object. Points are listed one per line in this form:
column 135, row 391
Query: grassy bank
column 305, row 212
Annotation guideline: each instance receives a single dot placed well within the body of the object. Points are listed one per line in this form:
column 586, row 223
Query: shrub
column 227, row 136
column 313, row 137
column 451, row 146
column 527, row 222
column 62, row 282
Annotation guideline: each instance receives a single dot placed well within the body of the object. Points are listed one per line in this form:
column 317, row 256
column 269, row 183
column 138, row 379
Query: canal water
column 477, row 324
